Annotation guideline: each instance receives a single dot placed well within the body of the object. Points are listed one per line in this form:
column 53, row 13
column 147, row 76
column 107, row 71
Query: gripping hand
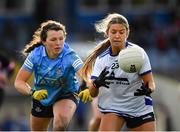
column 85, row 95
column 101, row 80
column 143, row 90
column 40, row 94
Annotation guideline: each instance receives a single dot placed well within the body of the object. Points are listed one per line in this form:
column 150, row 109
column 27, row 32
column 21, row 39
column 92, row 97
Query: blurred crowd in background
column 154, row 25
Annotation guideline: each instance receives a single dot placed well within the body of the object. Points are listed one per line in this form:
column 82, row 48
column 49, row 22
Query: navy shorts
column 40, row 110
column 133, row 122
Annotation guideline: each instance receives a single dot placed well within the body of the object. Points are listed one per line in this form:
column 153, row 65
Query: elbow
column 152, row 86
column 16, row 84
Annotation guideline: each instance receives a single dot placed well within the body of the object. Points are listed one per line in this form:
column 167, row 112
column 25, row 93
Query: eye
column 61, row 38
column 122, row 31
column 53, row 39
column 113, row 31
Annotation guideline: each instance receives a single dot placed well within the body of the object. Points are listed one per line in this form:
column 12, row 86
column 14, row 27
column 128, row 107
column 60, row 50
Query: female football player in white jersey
column 54, row 64
column 123, row 98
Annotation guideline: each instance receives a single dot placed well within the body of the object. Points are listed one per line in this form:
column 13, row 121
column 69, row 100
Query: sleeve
column 77, row 63
column 146, row 67
column 98, row 67
column 28, row 63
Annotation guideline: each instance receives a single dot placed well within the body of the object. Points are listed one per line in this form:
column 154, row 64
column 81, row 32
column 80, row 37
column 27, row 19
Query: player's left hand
column 143, row 90
column 85, row 95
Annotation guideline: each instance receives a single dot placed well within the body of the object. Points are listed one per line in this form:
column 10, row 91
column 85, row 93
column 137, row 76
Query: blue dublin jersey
column 58, row 76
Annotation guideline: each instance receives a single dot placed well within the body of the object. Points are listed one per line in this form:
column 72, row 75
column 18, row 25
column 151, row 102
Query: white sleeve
column 146, row 67
column 98, row 67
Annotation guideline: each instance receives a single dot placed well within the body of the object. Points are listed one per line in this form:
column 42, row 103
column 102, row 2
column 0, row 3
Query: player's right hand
column 40, row 94
column 85, row 95
column 102, row 79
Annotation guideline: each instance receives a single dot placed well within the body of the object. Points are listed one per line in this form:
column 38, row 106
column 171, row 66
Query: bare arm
column 93, row 91
column 148, row 78
column 21, row 82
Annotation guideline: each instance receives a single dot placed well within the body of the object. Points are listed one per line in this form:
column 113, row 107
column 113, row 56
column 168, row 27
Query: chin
column 58, row 52
column 116, row 44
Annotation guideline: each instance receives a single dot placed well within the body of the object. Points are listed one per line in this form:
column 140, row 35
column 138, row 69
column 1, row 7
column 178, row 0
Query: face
column 117, row 35
column 54, row 43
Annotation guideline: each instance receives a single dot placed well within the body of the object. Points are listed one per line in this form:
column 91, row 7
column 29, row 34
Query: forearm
column 152, row 86
column 148, row 78
column 93, row 91
column 23, row 87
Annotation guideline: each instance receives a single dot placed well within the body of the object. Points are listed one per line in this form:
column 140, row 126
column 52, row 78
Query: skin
column 54, row 45
column 96, row 119
column 118, row 35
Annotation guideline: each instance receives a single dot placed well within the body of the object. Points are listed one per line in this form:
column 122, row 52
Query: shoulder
column 69, row 54
column 38, row 50
column 132, row 45
column 105, row 53
column 37, row 53
column 68, row 51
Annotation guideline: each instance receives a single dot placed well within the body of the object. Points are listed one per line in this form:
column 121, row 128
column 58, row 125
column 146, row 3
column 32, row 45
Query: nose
column 117, row 35
column 57, row 42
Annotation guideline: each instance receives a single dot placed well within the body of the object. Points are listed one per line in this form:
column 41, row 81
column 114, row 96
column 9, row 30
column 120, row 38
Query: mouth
column 57, row 48
column 117, row 41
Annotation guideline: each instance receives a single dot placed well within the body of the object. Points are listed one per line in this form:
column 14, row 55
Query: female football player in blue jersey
column 123, row 98
column 54, row 65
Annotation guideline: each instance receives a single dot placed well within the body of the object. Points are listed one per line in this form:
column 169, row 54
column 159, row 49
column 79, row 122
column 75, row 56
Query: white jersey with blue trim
column 57, row 76
column 119, row 98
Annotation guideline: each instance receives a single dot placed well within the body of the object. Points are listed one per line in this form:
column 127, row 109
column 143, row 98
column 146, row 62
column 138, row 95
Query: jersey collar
column 110, row 48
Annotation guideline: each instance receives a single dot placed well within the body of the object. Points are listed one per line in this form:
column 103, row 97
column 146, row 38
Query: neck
column 117, row 49
column 52, row 55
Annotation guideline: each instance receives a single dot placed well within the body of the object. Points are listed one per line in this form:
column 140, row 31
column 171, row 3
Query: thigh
column 111, row 122
column 63, row 110
column 95, row 108
column 39, row 123
column 40, row 116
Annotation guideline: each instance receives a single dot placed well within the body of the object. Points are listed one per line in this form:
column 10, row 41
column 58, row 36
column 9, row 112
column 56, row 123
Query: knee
column 60, row 123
